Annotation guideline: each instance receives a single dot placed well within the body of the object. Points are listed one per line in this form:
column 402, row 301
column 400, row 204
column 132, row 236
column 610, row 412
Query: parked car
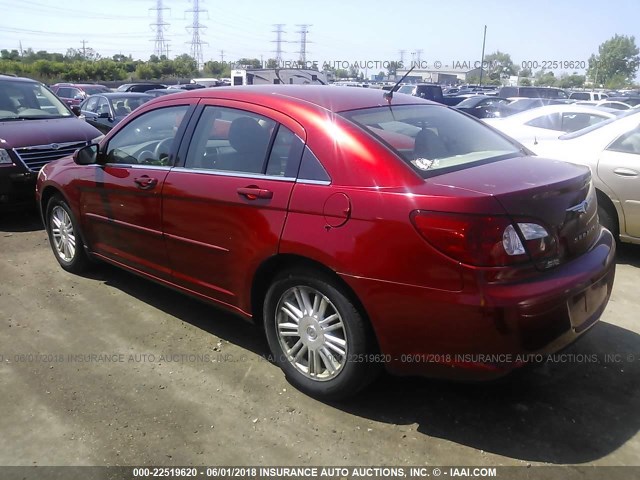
column 612, row 150
column 482, row 106
column 160, row 92
column 549, row 122
column 606, row 104
column 139, row 87
column 359, row 230
column 629, row 100
column 533, row 92
column 75, row 93
column 429, row 91
column 106, row 110
column 521, row 104
column 593, row 96
column 35, row 128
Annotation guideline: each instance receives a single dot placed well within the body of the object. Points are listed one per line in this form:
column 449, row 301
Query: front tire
column 317, row 335
column 64, row 236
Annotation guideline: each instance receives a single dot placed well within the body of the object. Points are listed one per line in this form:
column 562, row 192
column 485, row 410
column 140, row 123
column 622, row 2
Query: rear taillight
column 483, row 240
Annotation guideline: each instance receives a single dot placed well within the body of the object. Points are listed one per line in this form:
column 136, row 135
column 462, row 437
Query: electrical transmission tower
column 161, row 46
column 278, row 41
column 194, row 29
column 303, row 42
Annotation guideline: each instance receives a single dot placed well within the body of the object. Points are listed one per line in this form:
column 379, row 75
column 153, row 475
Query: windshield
column 433, row 139
column 29, row 100
column 584, row 131
column 408, row 89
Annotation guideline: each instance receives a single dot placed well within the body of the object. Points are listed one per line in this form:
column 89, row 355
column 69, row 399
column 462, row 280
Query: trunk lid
column 557, row 195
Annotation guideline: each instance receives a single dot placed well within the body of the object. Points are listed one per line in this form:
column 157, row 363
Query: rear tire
column 64, row 236
column 317, row 335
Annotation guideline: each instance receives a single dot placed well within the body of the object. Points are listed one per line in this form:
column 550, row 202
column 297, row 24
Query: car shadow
column 27, row 220
column 581, row 407
column 578, row 408
column 628, row 254
column 216, row 321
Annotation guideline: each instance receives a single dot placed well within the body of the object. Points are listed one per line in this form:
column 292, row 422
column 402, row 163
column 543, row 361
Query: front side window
column 433, row 139
column 231, row 140
column 103, row 106
column 91, row 104
column 148, row 139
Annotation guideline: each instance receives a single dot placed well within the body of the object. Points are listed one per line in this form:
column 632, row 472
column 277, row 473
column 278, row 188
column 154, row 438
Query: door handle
column 145, row 182
column 625, row 172
column 253, row 193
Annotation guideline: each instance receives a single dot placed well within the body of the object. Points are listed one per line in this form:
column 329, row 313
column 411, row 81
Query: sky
column 339, row 31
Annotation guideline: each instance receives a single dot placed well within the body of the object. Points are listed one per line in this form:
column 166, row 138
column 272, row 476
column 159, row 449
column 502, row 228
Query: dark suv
column 75, row 93
column 35, row 128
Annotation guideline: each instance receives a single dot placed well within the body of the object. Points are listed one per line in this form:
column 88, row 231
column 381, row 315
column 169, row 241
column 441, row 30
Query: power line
column 303, row 41
column 196, row 26
column 161, row 47
column 278, row 41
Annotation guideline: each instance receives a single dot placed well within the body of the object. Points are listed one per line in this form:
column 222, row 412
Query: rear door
column 121, row 203
column 225, row 208
column 619, row 169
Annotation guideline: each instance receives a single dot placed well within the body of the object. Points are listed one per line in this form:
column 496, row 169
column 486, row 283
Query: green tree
column 393, row 68
column 499, row 65
column 250, row 62
column 571, row 81
column 545, row 79
column 618, row 60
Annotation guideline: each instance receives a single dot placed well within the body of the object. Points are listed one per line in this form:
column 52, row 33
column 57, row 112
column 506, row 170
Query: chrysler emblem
column 580, row 208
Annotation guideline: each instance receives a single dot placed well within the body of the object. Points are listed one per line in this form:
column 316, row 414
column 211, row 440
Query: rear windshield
column 433, row 139
column 95, row 90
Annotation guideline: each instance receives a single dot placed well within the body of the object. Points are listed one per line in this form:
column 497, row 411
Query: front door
column 121, row 201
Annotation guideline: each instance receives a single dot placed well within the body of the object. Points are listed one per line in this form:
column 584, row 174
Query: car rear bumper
column 487, row 330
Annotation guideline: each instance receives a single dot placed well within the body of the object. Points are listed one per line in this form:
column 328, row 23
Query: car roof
column 571, row 107
column 19, row 79
column 332, row 98
column 122, row 95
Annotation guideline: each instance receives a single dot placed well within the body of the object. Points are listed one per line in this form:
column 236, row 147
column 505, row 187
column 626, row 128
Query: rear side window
column 286, row 151
column 549, row 122
column 627, row 143
column 231, row 140
column 433, row 139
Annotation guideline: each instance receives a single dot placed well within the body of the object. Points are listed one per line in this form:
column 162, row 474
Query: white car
column 549, row 122
column 612, row 150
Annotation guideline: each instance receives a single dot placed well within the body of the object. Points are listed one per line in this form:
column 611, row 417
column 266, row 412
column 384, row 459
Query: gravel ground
column 110, row 369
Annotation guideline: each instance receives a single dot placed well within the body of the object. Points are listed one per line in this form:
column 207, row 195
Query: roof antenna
column 389, row 95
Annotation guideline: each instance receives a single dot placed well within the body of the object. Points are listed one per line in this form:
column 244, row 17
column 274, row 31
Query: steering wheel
column 161, row 152
column 146, row 156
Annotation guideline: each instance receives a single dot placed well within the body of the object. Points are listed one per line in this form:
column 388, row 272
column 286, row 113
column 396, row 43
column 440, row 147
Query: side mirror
column 104, row 115
column 76, row 110
column 86, row 155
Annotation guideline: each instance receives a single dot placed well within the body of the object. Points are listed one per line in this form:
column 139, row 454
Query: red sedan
column 359, row 229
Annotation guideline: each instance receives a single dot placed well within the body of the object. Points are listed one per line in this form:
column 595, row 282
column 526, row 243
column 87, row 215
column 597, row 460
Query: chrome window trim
column 229, row 173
